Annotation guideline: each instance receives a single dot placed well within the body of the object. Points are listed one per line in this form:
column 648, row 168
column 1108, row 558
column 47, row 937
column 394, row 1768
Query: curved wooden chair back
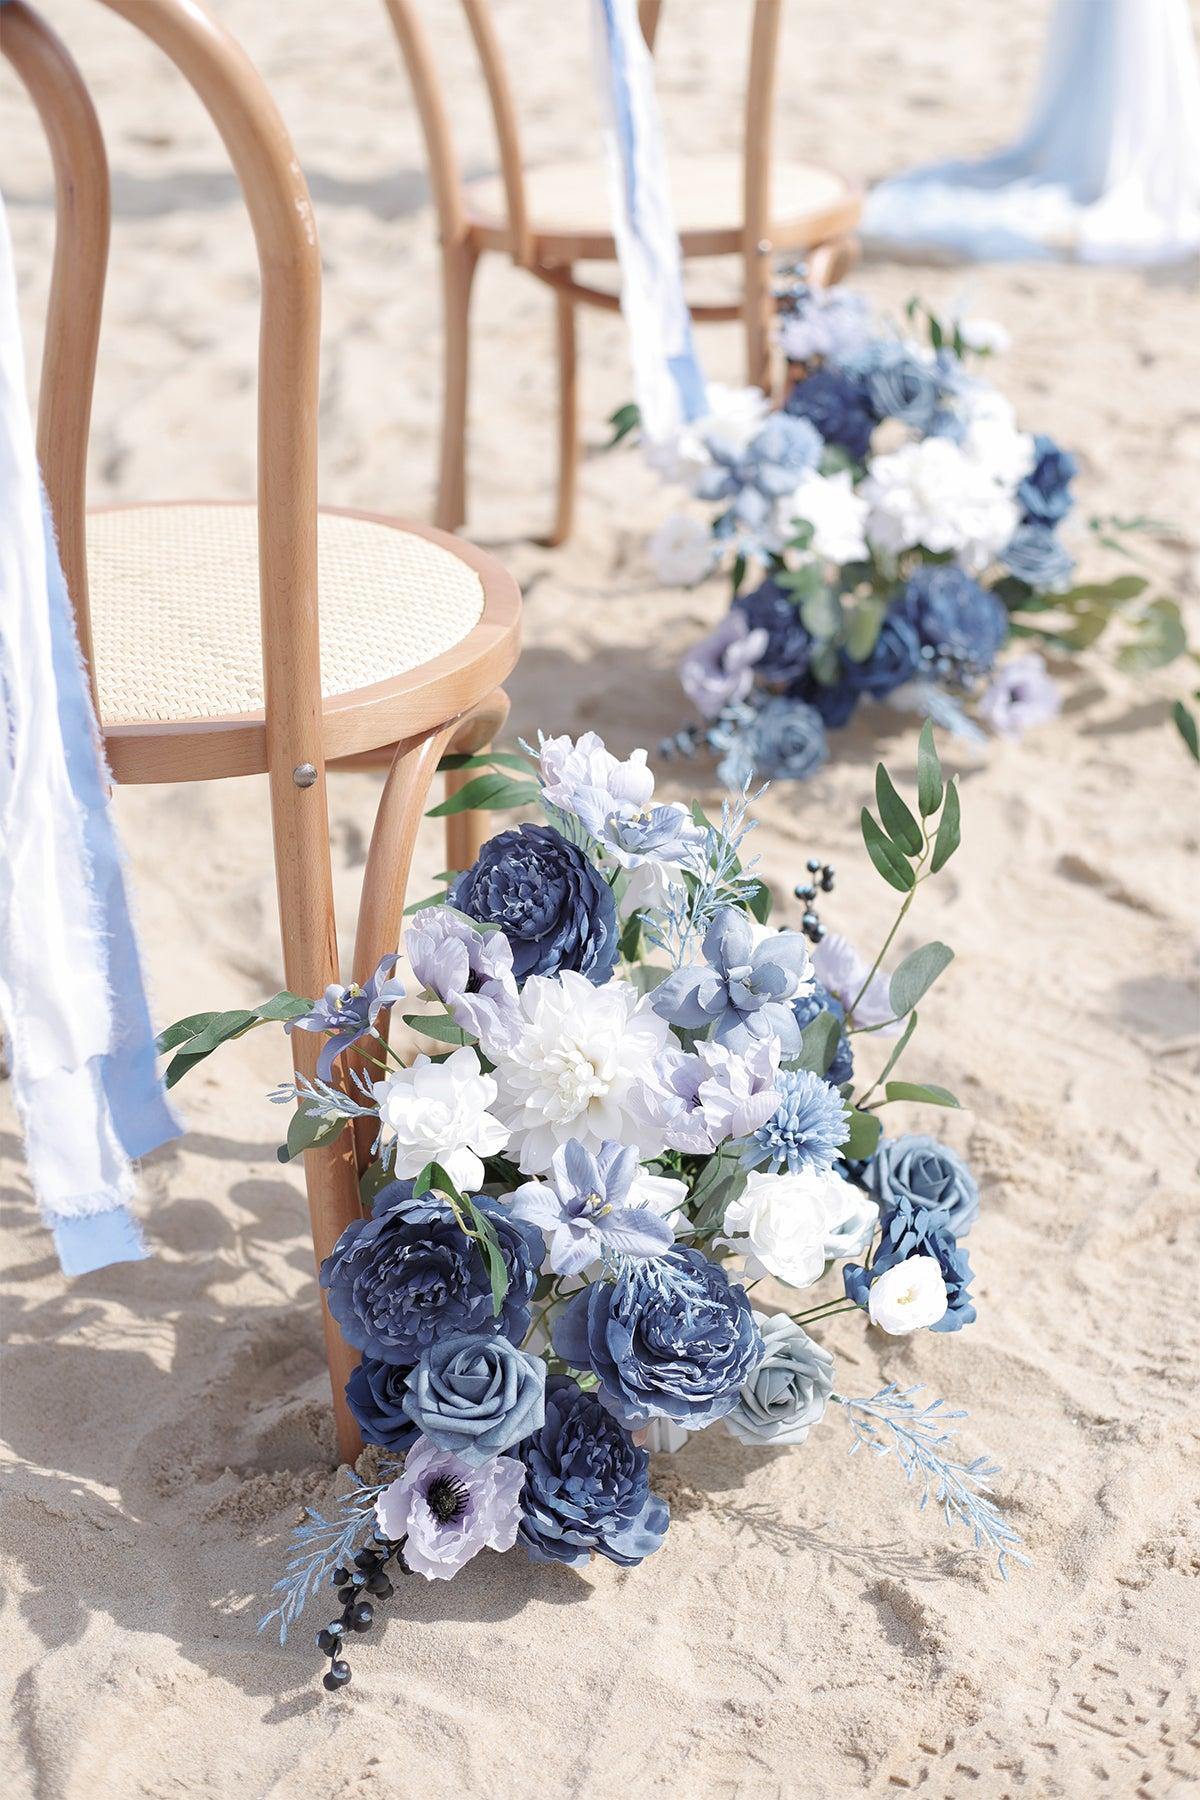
column 285, row 234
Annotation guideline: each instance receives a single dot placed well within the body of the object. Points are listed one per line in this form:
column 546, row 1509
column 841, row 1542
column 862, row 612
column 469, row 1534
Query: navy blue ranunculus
column 956, row 618
column 552, row 904
column 1045, row 493
column 910, row 1230
column 808, row 1007
column 672, row 1338
column 836, row 704
column 895, row 658
column 375, row 1394
column 840, row 408
column 587, row 1485
column 1035, row 556
column 409, row 1275
column 789, row 643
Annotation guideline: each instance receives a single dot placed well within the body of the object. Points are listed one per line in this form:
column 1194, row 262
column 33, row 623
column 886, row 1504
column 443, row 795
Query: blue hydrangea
column 807, row 1128
column 911, row 1230
column 1045, row 493
column 806, row 1009
column 840, row 408
column 552, row 904
column 587, row 1485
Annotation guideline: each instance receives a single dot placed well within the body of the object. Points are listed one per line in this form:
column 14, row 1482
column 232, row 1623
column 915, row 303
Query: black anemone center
column 447, row 1497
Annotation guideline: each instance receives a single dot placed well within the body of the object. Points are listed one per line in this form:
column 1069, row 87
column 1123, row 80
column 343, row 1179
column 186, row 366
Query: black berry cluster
column 822, row 878
column 368, row 1576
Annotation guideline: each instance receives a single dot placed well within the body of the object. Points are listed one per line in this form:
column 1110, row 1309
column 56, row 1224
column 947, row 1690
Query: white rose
column 908, row 1296
column 780, row 1223
column 829, row 504
column 987, row 337
column 438, row 1112
column 998, row 447
column 682, row 550
column 856, row 1227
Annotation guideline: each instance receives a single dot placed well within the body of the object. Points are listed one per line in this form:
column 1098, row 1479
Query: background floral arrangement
column 891, row 532
column 648, row 1103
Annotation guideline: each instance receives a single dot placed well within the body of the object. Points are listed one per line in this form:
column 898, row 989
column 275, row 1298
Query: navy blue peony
column 672, row 1337
column 954, row 617
column 895, row 658
column 407, row 1276
column 789, row 644
column 375, row 1395
column 908, row 1230
column 839, row 407
column 550, row 902
column 1045, row 493
column 587, row 1485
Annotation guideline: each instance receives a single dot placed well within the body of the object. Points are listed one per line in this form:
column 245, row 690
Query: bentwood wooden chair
column 228, row 640
column 550, row 217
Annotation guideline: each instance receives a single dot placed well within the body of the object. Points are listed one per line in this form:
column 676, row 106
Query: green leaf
column 182, row 1030
column 1107, row 593
column 721, row 1180
column 929, row 772
column 647, row 976
column 862, row 631
column 1161, row 637
column 373, row 1178
column 487, row 793
column 923, row 1093
column 899, row 1047
column 889, row 861
column 739, row 573
column 865, row 1131
column 307, row 1132
column 898, row 821
column 505, row 759
column 802, row 583
column 760, row 900
column 417, row 906
column 949, row 832
column 818, row 1043
column 283, row 1006
column 437, row 1025
column 916, row 974
column 493, row 1256
column 822, row 614
column 627, row 418
column 1185, row 724
column 630, row 939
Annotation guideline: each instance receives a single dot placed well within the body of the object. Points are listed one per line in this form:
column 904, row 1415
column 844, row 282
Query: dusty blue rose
column 1035, row 555
column 902, row 385
column 551, row 903
column 476, row 1394
column 779, row 740
column 839, row 407
column 672, row 1338
column 929, row 1174
column 587, row 1485
column 786, row 1395
column 1045, row 493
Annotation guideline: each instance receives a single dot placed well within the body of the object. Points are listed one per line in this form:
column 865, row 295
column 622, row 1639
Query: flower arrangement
column 892, row 533
column 596, row 1217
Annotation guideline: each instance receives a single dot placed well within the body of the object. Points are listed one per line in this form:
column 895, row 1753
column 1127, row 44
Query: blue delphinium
column 894, row 659
column 789, row 644
column 907, row 1230
column 805, row 1131
column 349, row 1013
column 551, row 903
column 742, row 989
column 958, row 621
column 375, row 1395
column 1035, row 555
column 806, row 1009
column 671, row 1338
column 778, row 740
column 587, row 1485
column 409, row 1275
column 929, row 1174
column 840, row 408
column 1045, row 493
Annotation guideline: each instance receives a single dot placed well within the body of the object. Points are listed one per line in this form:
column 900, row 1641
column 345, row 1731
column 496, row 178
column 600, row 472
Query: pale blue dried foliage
column 321, row 1545
column 891, row 1421
column 720, row 880
column 317, row 1099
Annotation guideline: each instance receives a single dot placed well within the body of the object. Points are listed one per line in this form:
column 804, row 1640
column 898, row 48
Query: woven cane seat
column 175, row 608
column 572, row 199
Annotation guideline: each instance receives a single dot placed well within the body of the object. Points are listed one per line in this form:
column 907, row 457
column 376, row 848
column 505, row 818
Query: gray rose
column 788, row 1391
column 928, row 1174
column 476, row 1395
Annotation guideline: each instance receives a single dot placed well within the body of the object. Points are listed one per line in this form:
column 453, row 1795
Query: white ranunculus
column 999, row 448
column 935, row 494
column 579, row 1065
column 780, row 1223
column 734, row 415
column 836, row 513
column 683, row 551
column 908, row 1296
column 438, row 1112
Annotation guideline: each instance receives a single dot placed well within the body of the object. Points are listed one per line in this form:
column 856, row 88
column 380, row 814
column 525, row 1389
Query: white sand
column 804, row 1631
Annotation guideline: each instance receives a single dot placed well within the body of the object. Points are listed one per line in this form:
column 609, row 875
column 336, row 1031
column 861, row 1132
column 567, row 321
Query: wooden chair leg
column 458, row 274
column 305, row 884
column 758, row 314
column 568, row 419
column 831, row 262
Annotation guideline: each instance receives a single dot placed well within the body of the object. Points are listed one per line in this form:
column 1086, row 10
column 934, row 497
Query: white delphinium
column 779, row 1223
column 439, row 1112
column 934, row 493
column 836, row 513
column 682, row 551
column 908, row 1296
column 579, row 1066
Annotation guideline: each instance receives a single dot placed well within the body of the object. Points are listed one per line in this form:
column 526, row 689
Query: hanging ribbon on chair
column 668, row 383
column 72, row 1001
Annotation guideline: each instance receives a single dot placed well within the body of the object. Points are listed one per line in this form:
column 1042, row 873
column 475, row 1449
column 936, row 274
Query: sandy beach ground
column 804, row 1632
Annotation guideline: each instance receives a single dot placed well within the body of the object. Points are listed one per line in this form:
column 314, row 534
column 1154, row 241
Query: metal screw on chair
column 763, row 246
column 304, row 775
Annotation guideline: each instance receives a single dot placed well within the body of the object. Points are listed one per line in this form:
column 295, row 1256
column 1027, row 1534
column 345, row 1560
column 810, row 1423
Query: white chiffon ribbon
column 72, row 1003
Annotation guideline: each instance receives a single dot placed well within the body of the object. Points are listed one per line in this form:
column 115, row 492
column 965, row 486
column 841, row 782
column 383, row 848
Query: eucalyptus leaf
column 1185, row 724
column 759, row 899
column 308, row 1132
column 916, row 974
column 889, row 861
column 487, row 793
column 863, row 628
column 487, row 759
column 922, row 1093
column 898, row 821
column 437, row 1025
column 818, row 1043
column 1161, row 637
column 493, row 1256
column 865, row 1131
column 1107, row 593
column 627, row 418
column 722, row 1180
column 900, row 1046
column 822, row 614
column 929, row 772
column 949, row 832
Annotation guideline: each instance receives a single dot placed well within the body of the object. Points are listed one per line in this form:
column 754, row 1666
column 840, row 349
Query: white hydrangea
column 836, row 513
column 439, row 1112
column 936, row 494
column 734, row 415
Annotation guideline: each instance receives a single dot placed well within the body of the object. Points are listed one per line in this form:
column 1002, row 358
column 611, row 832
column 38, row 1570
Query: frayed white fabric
column 668, row 384
column 1107, row 170
column 71, row 996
